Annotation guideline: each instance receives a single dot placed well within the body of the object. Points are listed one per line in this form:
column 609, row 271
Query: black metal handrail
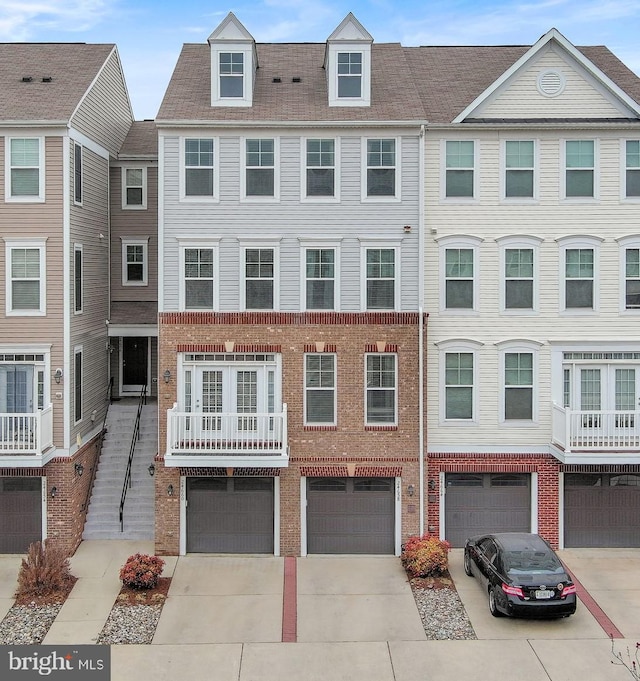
column 134, row 439
column 94, row 468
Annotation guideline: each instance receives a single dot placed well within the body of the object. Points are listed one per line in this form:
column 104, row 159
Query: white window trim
column 459, row 241
column 443, row 172
column 626, row 242
column 188, row 242
column 332, row 76
column 397, row 196
column 144, row 242
column 77, row 145
column 304, row 197
column 7, row 171
column 450, row 346
column 124, row 185
column 623, row 171
column 78, row 350
column 365, row 245
column 329, row 244
column 276, row 171
column 334, row 421
column 250, row 243
column 377, row 424
column 509, row 242
column 519, row 346
column 571, row 242
column 536, row 172
column 216, row 174
column 596, row 171
column 77, row 248
column 40, row 244
column 247, row 79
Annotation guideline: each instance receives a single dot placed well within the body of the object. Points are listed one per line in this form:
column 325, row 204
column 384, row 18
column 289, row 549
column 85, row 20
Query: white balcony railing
column 224, row 437
column 595, row 430
column 26, row 433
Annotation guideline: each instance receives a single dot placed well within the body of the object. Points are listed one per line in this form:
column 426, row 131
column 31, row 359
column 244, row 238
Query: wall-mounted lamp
column 411, row 490
column 53, row 492
column 94, row 415
column 170, row 490
column 432, row 485
column 407, row 228
column 58, row 375
column 152, row 470
column 166, row 376
column 79, row 469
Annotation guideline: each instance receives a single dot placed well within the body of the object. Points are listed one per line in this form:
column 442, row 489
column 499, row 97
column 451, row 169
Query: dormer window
column 349, row 74
column 231, row 74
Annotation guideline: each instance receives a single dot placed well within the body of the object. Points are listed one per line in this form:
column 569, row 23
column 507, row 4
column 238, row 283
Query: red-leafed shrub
column 141, row 571
column 425, row 556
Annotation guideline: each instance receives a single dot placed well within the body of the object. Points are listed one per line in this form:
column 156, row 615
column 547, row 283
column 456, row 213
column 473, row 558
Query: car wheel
column 467, row 565
column 493, row 607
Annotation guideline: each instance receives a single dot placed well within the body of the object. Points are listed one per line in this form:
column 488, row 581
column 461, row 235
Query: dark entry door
column 20, row 513
column 134, row 363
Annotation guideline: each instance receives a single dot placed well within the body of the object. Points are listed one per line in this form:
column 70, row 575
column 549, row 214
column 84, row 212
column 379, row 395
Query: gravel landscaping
column 27, row 624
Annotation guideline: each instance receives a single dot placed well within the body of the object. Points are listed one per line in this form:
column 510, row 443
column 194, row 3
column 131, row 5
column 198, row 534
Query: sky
column 150, row 33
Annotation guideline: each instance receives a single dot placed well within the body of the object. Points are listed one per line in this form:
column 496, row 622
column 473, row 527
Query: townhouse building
column 64, row 113
column 290, row 206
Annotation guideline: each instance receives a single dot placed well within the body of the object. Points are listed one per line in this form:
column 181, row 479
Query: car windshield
column 532, row 562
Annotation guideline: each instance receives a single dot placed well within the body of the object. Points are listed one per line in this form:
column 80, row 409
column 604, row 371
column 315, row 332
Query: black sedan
column 522, row 575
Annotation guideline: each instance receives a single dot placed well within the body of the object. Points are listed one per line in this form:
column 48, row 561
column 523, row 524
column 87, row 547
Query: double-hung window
column 77, row 383
column 459, row 278
column 381, row 164
column 518, row 278
column 579, row 278
column 199, row 168
column 380, row 279
column 459, row 169
column 259, row 281
column 25, row 277
column 349, row 75
column 579, row 168
column 320, row 168
column 134, row 188
column 320, row 389
column 135, row 265
column 518, row 386
column 381, row 403
column 459, row 386
column 632, row 278
column 632, row 169
column 77, row 173
column 199, row 285
column 24, row 169
column 77, row 278
column 320, row 278
column 260, row 168
column 519, row 169
column 231, row 65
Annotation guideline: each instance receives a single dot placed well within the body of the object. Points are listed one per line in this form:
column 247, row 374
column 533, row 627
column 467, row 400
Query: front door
column 135, row 354
column 609, row 395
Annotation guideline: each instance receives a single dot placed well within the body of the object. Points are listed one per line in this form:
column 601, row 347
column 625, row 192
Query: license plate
column 543, row 593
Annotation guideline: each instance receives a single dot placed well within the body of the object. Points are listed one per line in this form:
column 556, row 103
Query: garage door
column 479, row 503
column 20, row 513
column 601, row 510
column 350, row 515
column 230, row 515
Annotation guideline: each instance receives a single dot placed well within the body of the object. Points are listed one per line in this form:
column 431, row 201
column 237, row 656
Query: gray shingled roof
column 141, row 140
column 71, row 66
column 408, row 83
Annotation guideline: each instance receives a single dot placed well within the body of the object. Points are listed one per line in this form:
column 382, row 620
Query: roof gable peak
column 350, row 30
column 230, row 29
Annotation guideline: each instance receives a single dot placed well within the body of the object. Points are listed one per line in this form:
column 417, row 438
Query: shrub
column 425, row 556
column 45, row 570
column 141, row 571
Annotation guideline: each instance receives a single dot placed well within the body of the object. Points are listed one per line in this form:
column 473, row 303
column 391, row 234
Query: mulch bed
column 158, row 594
column 48, row 598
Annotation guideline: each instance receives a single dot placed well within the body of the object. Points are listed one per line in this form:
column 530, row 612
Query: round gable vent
column 551, row 83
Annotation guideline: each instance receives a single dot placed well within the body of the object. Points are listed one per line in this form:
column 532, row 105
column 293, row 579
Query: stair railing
column 135, row 437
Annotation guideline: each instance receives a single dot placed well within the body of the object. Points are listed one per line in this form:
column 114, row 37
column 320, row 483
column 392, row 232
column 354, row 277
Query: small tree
column 631, row 663
column 141, row 571
column 45, row 570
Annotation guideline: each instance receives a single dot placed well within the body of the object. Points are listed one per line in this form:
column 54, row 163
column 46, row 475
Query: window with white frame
column 231, row 73
column 320, row 278
column 24, row 169
column 134, row 188
column 519, row 162
column 77, row 173
column 25, row 277
column 630, row 273
column 459, row 278
column 77, row 278
column 459, row 169
column 77, row 383
column 320, row 168
column 518, row 278
column 381, row 403
column 632, row 169
column 320, row 389
column 259, row 278
column 199, row 271
column 381, row 168
column 135, row 262
column 22, row 385
column 579, row 278
column 260, row 168
column 459, row 386
column 579, row 168
column 349, row 75
column 380, row 278
column 518, row 387
column 199, row 168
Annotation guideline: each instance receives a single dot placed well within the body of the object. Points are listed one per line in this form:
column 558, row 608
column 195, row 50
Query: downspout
column 421, row 242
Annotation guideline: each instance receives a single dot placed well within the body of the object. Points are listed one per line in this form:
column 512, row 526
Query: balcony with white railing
column 226, row 439
column 24, row 438
column 596, row 436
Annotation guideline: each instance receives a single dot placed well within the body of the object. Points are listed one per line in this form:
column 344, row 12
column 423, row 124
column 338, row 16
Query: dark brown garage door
column 230, row 515
column 20, row 513
column 480, row 503
column 350, row 515
column 601, row 510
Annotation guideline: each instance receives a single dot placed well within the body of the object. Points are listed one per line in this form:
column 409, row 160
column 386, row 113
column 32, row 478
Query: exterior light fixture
column 411, row 490
column 407, row 228
column 58, row 375
column 432, row 485
column 79, row 469
column 170, row 490
column 166, row 376
column 152, row 469
column 53, row 492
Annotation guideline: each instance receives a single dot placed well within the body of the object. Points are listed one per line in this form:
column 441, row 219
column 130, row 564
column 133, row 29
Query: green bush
column 45, row 570
column 141, row 571
column 425, row 556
